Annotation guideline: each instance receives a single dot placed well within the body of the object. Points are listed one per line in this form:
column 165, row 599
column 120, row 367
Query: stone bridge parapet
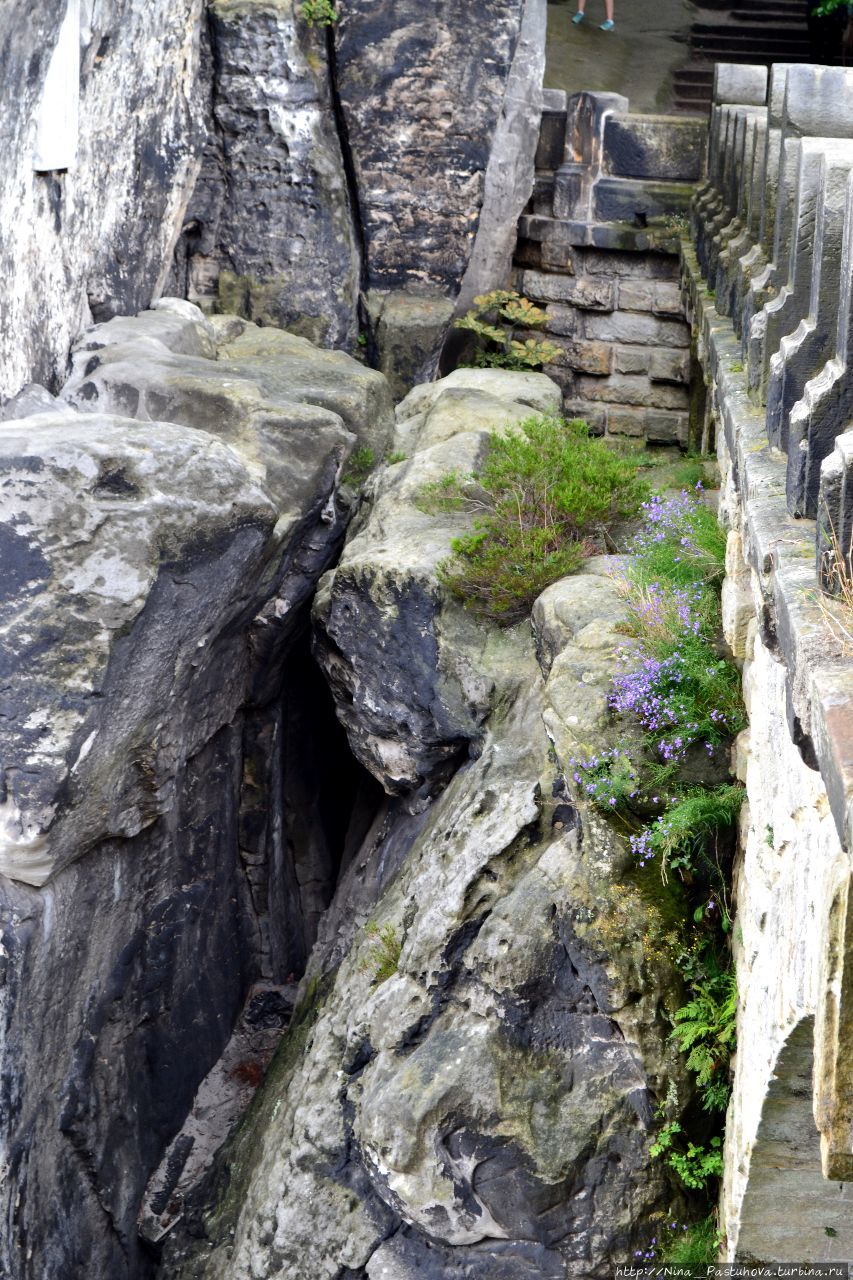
column 766, row 283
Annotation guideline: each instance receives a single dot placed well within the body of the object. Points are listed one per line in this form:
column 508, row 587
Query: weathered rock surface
column 232, row 153
column 269, row 229
column 387, row 154
column 98, row 238
column 156, row 578
column 403, row 661
column 408, row 329
column 485, row 1109
column 103, row 531
column 423, row 91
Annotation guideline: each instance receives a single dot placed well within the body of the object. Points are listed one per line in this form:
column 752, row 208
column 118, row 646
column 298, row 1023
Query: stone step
column 695, row 94
column 750, row 28
column 760, row 41
column 765, row 17
column 796, row 7
column 695, row 74
column 725, row 49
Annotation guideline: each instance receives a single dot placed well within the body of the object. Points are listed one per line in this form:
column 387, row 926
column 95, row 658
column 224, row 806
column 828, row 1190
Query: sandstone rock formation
column 292, row 169
column 469, row 1084
column 381, row 611
column 98, row 238
column 273, row 147
column 157, row 574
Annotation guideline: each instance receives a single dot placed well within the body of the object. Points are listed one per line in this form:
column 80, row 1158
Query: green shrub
column 319, row 13
column 695, row 1165
column 678, row 840
column 500, row 348
column 705, row 1031
column 544, row 491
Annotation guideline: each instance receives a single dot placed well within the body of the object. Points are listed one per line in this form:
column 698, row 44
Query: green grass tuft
column 698, row 1246
column 383, row 956
column 359, row 466
column 545, row 490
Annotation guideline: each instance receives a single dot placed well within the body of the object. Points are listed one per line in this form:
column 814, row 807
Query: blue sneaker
column 608, row 25
column 577, row 18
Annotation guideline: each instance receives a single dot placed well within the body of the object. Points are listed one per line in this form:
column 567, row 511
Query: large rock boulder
column 130, row 552
column 270, row 229
column 405, row 661
column 294, row 412
column 471, row 1085
column 151, row 868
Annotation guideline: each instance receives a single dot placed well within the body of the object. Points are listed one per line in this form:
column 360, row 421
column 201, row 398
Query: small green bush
column 705, row 1031
column 695, row 1165
column 544, row 491
column 494, row 319
column 318, row 13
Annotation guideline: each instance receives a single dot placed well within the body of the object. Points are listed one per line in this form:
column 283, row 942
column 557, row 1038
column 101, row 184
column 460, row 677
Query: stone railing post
column 801, row 321
column 825, row 408
column 574, row 183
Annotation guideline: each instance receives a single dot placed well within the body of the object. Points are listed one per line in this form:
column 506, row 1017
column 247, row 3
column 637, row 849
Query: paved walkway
column 637, row 59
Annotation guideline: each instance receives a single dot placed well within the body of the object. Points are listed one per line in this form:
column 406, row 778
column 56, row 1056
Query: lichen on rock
column 486, row 1109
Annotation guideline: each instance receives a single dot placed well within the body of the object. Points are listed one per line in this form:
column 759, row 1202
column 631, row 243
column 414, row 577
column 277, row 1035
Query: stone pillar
column 826, row 405
column 833, row 1037
column 800, row 322
column 743, row 231
column 835, row 516
column 734, row 85
column 818, row 103
column 574, row 184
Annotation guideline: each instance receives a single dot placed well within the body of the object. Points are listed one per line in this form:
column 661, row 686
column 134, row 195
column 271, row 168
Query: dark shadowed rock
column 153, row 865
column 269, row 229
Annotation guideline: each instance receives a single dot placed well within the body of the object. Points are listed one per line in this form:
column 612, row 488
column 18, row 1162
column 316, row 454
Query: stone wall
column 598, row 248
column 767, row 288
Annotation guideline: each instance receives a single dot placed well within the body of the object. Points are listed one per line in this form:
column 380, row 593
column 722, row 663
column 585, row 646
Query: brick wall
column 609, row 284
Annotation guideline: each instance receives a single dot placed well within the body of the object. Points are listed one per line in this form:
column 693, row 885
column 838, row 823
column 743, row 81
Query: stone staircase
column 598, row 251
column 759, row 32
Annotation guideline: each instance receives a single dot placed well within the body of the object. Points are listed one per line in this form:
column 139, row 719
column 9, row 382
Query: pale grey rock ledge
column 139, row 551
column 485, row 1112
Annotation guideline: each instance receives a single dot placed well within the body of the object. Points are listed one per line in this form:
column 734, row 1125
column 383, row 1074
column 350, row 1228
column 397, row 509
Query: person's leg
column 579, row 15
column 608, row 23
